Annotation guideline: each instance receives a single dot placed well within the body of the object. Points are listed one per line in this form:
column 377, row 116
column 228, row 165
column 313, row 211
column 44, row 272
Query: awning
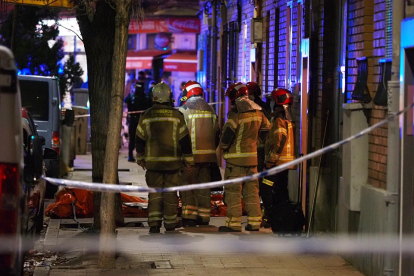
column 142, row 59
column 183, row 62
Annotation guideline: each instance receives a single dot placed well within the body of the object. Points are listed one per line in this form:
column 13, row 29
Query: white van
column 41, row 97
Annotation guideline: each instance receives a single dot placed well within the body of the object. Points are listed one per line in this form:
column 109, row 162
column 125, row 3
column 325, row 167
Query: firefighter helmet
column 282, row 96
column 236, row 90
column 161, row 93
column 254, row 89
column 192, row 88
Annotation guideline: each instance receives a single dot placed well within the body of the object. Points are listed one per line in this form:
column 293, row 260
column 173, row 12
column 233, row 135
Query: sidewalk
column 187, row 251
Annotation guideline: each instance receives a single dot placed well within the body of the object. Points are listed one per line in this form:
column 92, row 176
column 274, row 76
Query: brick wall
column 367, row 38
column 377, row 162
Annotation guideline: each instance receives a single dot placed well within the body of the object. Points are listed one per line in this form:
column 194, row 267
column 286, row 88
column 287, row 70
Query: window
column 35, row 98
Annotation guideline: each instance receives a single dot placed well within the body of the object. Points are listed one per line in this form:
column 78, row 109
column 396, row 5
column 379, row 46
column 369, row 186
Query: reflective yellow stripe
column 191, row 116
column 182, row 129
column 170, row 217
column 152, row 214
column 239, row 138
column 174, row 138
column 189, row 158
column 191, row 207
column 163, row 159
column 251, row 119
column 204, row 151
column 267, row 182
column 236, row 155
column 189, row 212
column 160, row 119
column 254, row 218
column 140, row 130
column 204, row 210
column 280, row 130
column 233, row 123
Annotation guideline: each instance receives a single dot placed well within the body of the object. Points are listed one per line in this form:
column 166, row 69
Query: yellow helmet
column 161, row 93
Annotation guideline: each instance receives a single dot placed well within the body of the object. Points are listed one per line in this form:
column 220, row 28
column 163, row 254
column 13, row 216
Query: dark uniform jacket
column 162, row 139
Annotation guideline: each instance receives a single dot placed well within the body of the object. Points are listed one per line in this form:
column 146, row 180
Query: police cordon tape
column 137, row 112
column 101, row 187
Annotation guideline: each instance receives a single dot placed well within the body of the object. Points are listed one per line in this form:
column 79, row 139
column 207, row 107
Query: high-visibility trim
column 204, row 151
column 154, row 213
column 191, row 116
column 190, row 212
column 188, row 158
column 267, row 182
column 204, row 215
column 148, row 142
column 160, row 119
column 204, row 210
column 192, row 207
column 162, row 159
column 237, row 155
column 239, row 138
column 182, row 129
column 237, row 87
column 251, row 119
column 254, row 218
column 140, row 130
column 193, row 86
column 170, row 217
column 280, row 130
column 174, row 137
column 232, row 122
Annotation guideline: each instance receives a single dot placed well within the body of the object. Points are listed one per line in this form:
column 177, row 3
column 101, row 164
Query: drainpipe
column 213, row 52
column 395, row 11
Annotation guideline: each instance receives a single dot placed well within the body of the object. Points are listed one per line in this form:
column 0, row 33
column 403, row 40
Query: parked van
column 41, row 97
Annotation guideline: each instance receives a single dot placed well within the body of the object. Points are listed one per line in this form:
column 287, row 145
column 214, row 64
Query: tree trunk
column 98, row 37
column 107, row 236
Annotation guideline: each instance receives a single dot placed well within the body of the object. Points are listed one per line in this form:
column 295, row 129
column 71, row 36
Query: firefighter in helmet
column 279, row 149
column 163, row 144
column 245, row 122
column 255, row 94
column 203, row 127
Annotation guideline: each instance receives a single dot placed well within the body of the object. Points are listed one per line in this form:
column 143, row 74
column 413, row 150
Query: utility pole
column 394, row 153
column 258, row 63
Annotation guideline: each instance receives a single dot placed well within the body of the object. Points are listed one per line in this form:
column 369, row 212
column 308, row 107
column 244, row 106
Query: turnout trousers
column 197, row 203
column 233, row 193
column 162, row 205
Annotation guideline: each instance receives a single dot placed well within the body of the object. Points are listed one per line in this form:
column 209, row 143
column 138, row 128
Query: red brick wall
column 367, row 38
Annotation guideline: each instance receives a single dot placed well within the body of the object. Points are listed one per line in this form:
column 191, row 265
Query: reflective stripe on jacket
column 279, row 147
column 241, row 150
column 162, row 127
column 202, row 125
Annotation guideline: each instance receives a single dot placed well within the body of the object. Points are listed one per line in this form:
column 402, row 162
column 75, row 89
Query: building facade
column 337, row 57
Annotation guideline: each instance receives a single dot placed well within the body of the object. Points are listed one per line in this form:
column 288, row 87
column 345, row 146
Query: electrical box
column 256, row 30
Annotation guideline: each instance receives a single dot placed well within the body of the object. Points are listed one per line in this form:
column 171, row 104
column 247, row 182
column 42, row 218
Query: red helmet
column 254, row 89
column 282, row 96
column 236, row 90
column 192, row 88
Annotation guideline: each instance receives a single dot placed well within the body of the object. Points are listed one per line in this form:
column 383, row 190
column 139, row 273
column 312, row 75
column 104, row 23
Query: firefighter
column 255, row 94
column 239, row 139
column 204, row 131
column 135, row 101
column 162, row 144
column 279, row 149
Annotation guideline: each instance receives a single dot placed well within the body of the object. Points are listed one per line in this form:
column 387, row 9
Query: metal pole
column 312, row 212
column 394, row 153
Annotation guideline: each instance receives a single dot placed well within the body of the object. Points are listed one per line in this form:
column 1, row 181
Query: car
column 40, row 95
column 22, row 187
column 12, row 203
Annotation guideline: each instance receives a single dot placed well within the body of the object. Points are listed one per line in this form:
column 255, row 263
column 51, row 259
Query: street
column 187, row 251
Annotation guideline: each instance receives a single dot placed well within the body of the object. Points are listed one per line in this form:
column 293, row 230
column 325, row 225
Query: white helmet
column 161, row 93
